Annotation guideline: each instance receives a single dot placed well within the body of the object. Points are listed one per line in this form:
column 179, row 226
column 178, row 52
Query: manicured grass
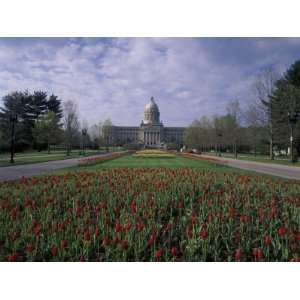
column 130, row 161
column 177, row 162
column 43, row 156
column 135, row 162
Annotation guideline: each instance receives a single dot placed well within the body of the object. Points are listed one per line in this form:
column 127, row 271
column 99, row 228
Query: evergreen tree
column 16, row 103
column 37, row 106
column 292, row 75
column 54, row 104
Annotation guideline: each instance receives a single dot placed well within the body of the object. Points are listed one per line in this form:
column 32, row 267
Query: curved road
column 16, row 172
column 266, row 168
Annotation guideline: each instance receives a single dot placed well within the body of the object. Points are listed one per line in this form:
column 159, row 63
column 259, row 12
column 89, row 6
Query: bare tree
column 233, row 124
column 71, row 124
column 264, row 87
column 107, row 133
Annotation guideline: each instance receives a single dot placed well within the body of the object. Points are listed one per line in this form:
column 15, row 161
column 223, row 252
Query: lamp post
column 83, row 133
column 293, row 117
column 13, row 118
column 220, row 137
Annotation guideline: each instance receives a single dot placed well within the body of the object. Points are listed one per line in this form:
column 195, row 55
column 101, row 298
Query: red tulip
column 174, row 251
column 37, row 229
column 106, row 241
column 194, row 219
column 260, row 254
column 86, row 236
column 97, row 232
column 267, row 240
column 203, row 233
column 244, row 219
column 29, row 248
column 232, row 212
column 81, row 258
column 133, row 207
column 189, row 232
column 238, row 254
column 116, row 240
column 118, row 227
column 152, row 240
column 54, row 251
column 12, row 257
column 128, row 227
column 257, row 253
column 158, row 254
column 139, row 226
column 124, row 245
column 294, row 247
column 14, row 213
column 282, row 231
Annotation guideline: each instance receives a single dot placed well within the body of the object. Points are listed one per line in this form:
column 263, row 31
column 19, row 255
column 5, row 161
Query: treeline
column 28, row 111
column 269, row 124
column 40, row 121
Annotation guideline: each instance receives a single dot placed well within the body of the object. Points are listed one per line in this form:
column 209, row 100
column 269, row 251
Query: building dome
column 151, row 113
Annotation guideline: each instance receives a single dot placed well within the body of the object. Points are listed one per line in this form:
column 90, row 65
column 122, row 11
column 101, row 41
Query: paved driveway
column 266, row 168
column 16, row 172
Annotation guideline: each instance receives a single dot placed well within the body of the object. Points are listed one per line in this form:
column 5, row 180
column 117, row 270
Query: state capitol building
column 151, row 132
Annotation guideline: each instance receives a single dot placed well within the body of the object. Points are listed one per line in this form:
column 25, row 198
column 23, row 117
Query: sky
column 116, row 77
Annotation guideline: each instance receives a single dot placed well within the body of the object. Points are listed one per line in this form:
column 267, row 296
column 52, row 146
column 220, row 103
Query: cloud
column 114, row 78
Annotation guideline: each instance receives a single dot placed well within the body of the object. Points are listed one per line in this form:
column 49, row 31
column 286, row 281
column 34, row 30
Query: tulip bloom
column 174, row 251
column 29, row 248
column 282, row 231
column 238, row 254
column 267, row 240
column 54, row 251
column 158, row 254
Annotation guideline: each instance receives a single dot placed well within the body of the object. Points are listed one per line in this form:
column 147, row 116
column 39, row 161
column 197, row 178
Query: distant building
column 151, row 132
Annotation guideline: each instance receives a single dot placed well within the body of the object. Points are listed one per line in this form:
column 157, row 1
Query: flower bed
column 153, row 154
column 100, row 159
column 146, row 214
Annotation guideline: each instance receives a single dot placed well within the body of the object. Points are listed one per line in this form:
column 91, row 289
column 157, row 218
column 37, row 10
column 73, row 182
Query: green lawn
column 43, row 156
column 176, row 162
column 136, row 162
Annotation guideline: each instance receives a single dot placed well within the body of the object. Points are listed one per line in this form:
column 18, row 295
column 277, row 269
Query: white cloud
column 116, row 77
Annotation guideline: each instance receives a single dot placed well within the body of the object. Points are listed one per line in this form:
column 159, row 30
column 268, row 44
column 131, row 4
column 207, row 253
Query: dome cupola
column 151, row 113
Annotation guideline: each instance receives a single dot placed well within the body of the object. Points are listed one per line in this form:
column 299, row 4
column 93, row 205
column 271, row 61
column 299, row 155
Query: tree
column 232, row 124
column 54, row 104
column 192, row 135
column 71, row 124
column 16, row 104
column 106, row 133
column 286, row 100
column 265, row 86
column 47, row 130
column 256, row 131
column 37, row 105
